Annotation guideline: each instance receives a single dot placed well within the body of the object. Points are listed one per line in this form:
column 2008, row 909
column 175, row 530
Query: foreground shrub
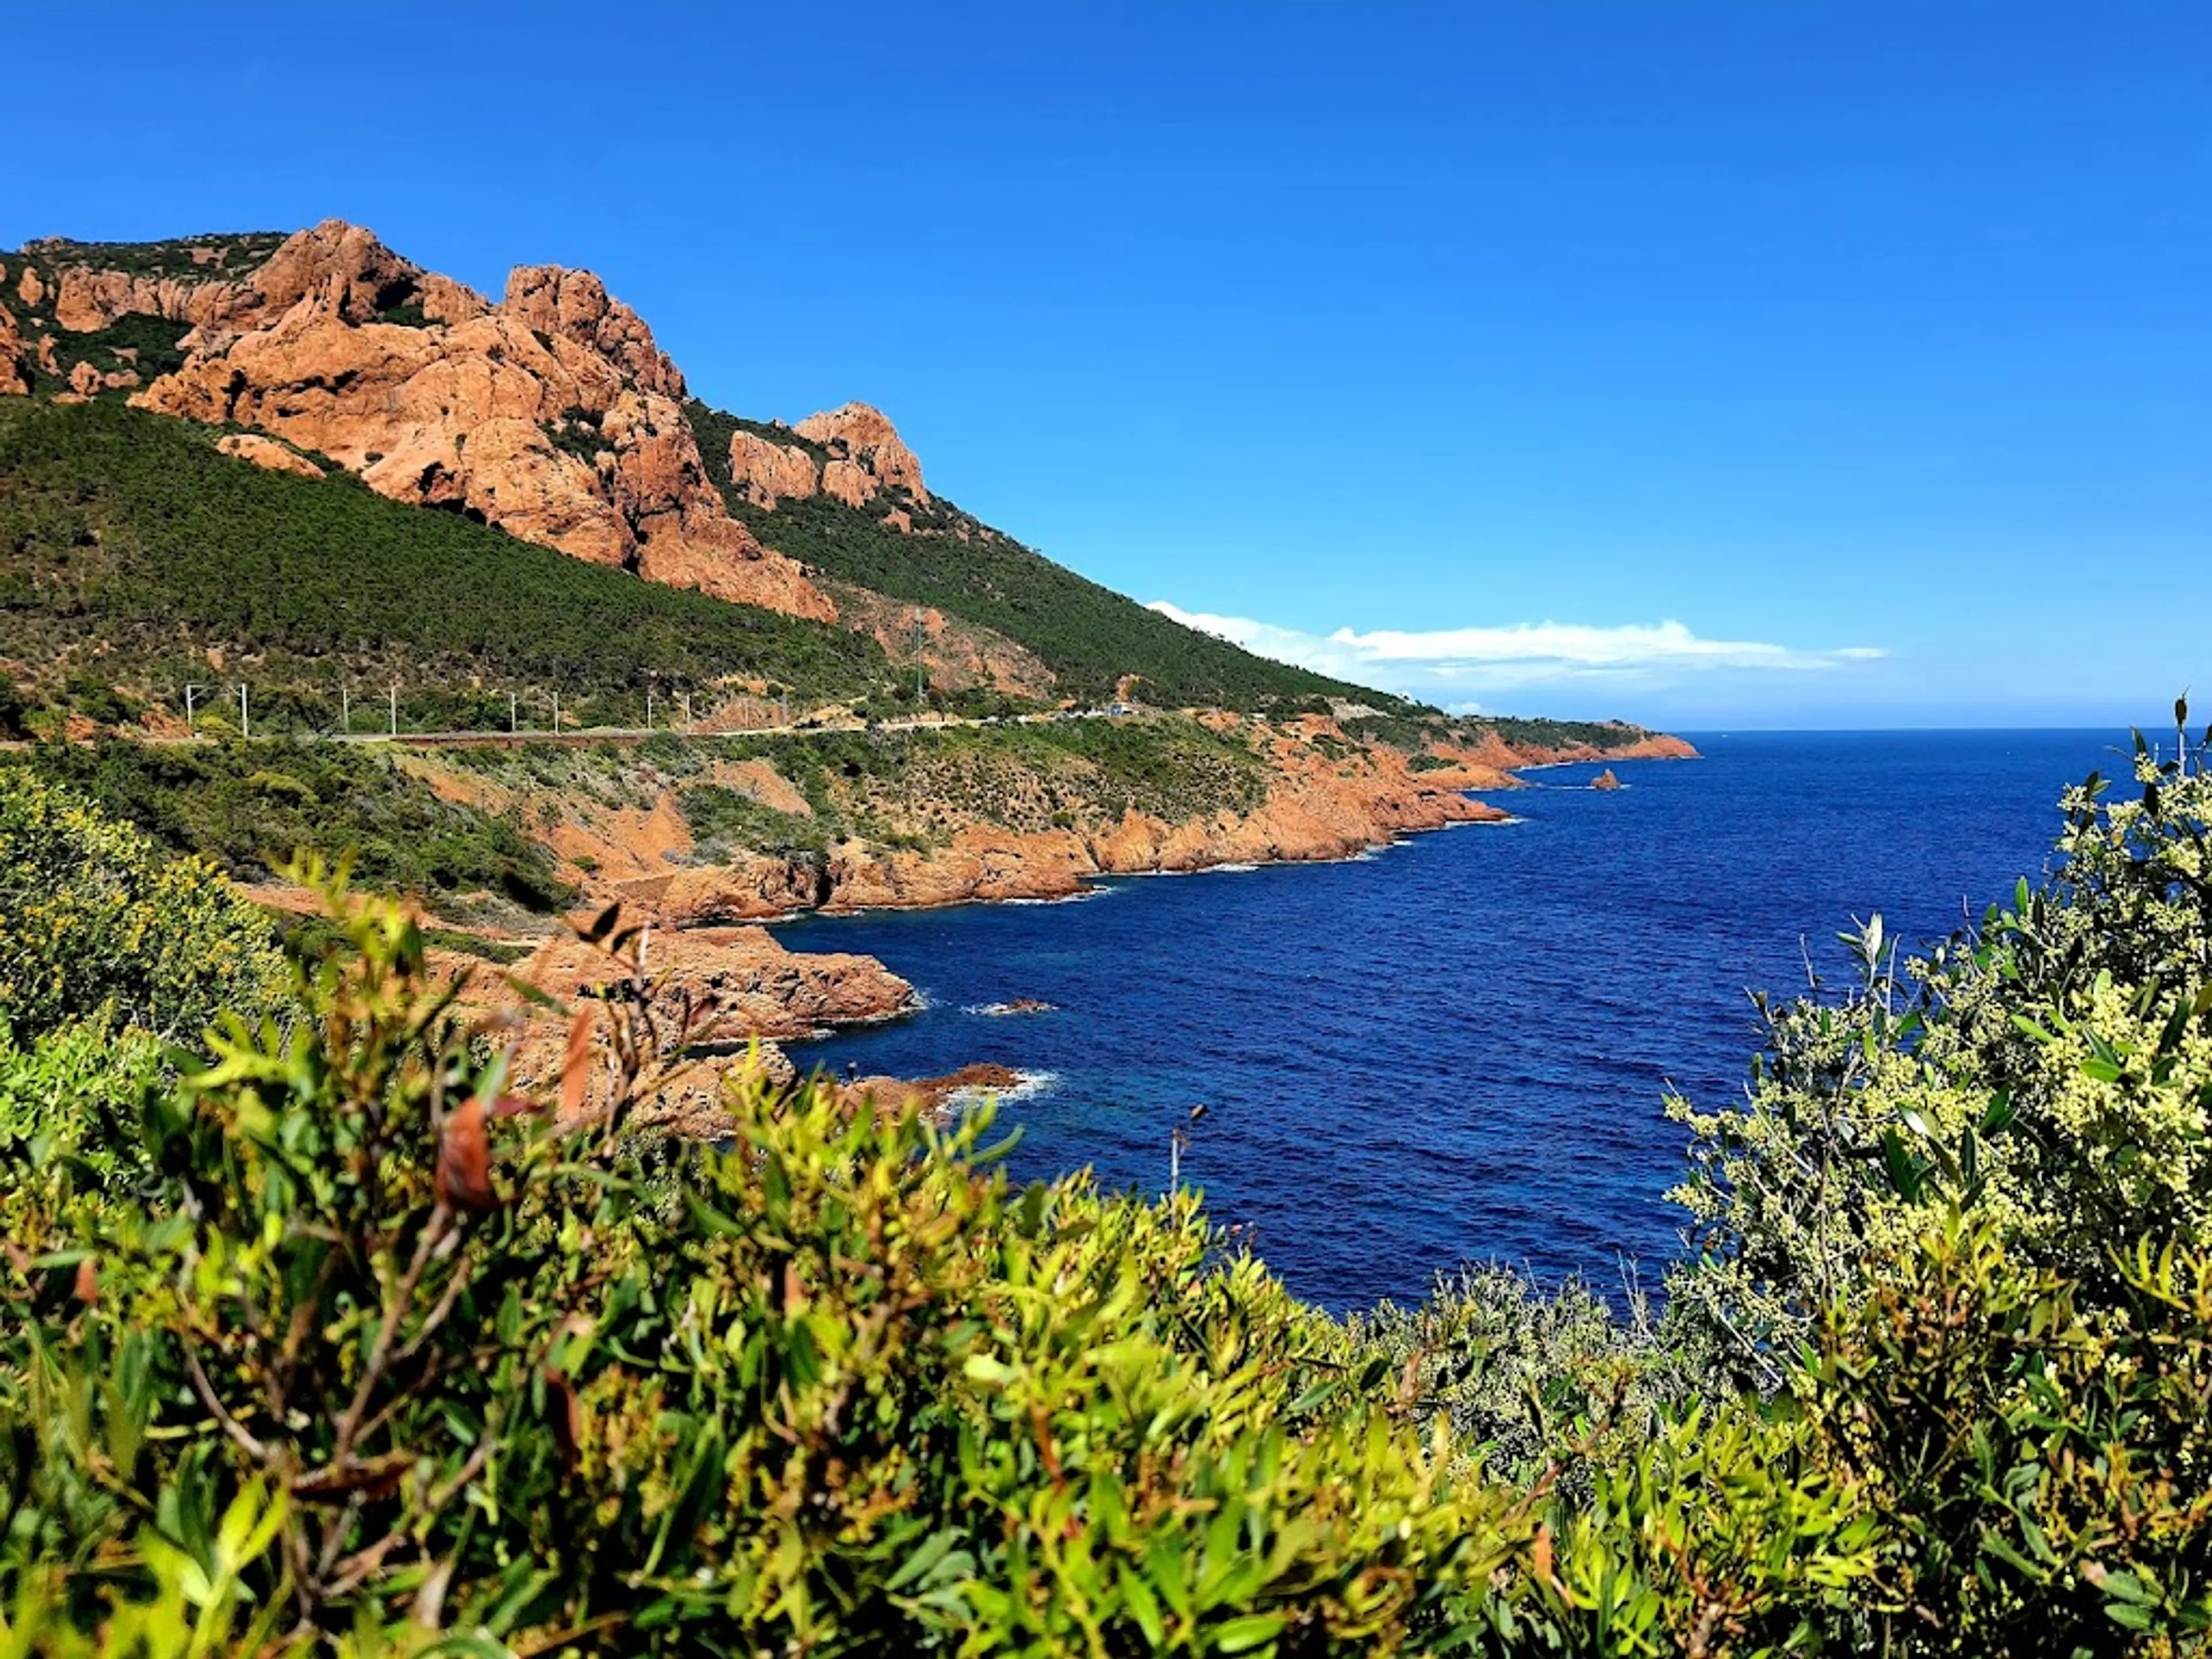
column 367, row 1357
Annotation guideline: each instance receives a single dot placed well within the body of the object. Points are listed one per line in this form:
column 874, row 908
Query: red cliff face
column 870, row 454
column 13, row 382
column 865, row 456
column 552, row 414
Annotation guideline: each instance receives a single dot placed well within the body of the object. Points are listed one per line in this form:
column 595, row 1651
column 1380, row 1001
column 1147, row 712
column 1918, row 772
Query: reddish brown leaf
column 576, row 1070
column 88, row 1282
column 514, row 1105
column 1541, row 1553
column 564, row 1415
column 465, row 1161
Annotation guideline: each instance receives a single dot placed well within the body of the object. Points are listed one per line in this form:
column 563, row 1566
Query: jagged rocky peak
column 552, row 414
column 853, row 454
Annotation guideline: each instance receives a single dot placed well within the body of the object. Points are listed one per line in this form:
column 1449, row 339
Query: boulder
column 267, row 452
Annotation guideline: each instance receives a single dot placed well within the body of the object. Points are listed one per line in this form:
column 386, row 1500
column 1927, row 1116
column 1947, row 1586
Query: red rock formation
column 267, row 452
column 573, row 304
column 752, row 988
column 934, row 1097
column 460, row 410
column 1318, row 809
column 1605, row 780
column 770, row 472
column 14, row 382
column 871, row 454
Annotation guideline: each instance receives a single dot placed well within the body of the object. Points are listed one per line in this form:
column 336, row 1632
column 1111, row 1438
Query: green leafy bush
column 94, row 917
column 251, row 809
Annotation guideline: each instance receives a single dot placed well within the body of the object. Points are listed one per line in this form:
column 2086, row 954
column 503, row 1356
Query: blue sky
column 1760, row 364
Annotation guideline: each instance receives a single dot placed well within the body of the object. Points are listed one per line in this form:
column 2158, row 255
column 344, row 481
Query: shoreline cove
column 1460, row 1052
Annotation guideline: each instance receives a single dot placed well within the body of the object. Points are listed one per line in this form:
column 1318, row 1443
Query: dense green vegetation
column 98, row 921
column 239, row 252
column 130, row 549
column 336, row 1347
column 907, row 786
column 252, row 807
column 1088, row 635
column 135, row 345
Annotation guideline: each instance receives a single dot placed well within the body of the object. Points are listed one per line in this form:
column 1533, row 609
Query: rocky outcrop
column 871, row 453
column 14, row 381
column 268, row 453
column 864, row 456
column 1605, row 780
column 574, row 306
column 552, row 414
column 931, row 1096
column 769, row 472
column 753, row 987
column 743, row 991
column 87, row 299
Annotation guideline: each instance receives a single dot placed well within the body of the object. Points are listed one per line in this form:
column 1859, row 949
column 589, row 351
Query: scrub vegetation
column 133, row 555
column 332, row 1343
column 1089, row 636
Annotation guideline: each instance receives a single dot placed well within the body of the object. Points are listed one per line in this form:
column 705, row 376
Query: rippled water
column 1457, row 1048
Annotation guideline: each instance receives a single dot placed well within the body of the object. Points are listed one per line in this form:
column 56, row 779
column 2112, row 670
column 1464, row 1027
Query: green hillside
column 130, row 549
column 1089, row 636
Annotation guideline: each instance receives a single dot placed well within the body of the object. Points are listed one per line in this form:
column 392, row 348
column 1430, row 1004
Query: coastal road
column 632, row 734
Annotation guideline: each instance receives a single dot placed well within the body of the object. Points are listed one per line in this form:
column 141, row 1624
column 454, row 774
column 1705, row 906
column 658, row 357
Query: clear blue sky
column 1807, row 327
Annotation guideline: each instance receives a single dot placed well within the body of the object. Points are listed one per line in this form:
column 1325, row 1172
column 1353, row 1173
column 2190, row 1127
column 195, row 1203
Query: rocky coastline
column 709, row 948
column 1328, row 801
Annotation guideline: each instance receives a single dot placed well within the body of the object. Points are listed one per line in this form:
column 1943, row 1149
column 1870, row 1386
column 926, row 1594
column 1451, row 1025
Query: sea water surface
column 1457, row 1049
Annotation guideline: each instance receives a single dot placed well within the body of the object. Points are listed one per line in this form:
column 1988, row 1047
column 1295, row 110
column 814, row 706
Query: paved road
column 638, row 733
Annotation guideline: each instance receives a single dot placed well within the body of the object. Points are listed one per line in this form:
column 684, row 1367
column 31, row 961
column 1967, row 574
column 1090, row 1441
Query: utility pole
column 921, row 669
column 557, row 711
column 648, row 711
column 345, row 711
column 244, row 727
column 395, row 711
column 192, row 728
column 513, row 719
column 687, row 712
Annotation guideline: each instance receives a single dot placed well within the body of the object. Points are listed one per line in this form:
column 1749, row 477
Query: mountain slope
column 552, row 414
column 922, row 548
column 138, row 553
column 134, row 555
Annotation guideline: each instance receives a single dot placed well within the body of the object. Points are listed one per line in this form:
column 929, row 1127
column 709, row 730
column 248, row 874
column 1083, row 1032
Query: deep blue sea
column 1456, row 1049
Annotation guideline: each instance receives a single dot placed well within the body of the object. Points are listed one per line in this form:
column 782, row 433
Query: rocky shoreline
column 710, row 950
column 1322, row 808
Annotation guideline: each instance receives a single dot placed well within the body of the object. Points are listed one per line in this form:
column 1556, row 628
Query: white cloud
column 1452, row 663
